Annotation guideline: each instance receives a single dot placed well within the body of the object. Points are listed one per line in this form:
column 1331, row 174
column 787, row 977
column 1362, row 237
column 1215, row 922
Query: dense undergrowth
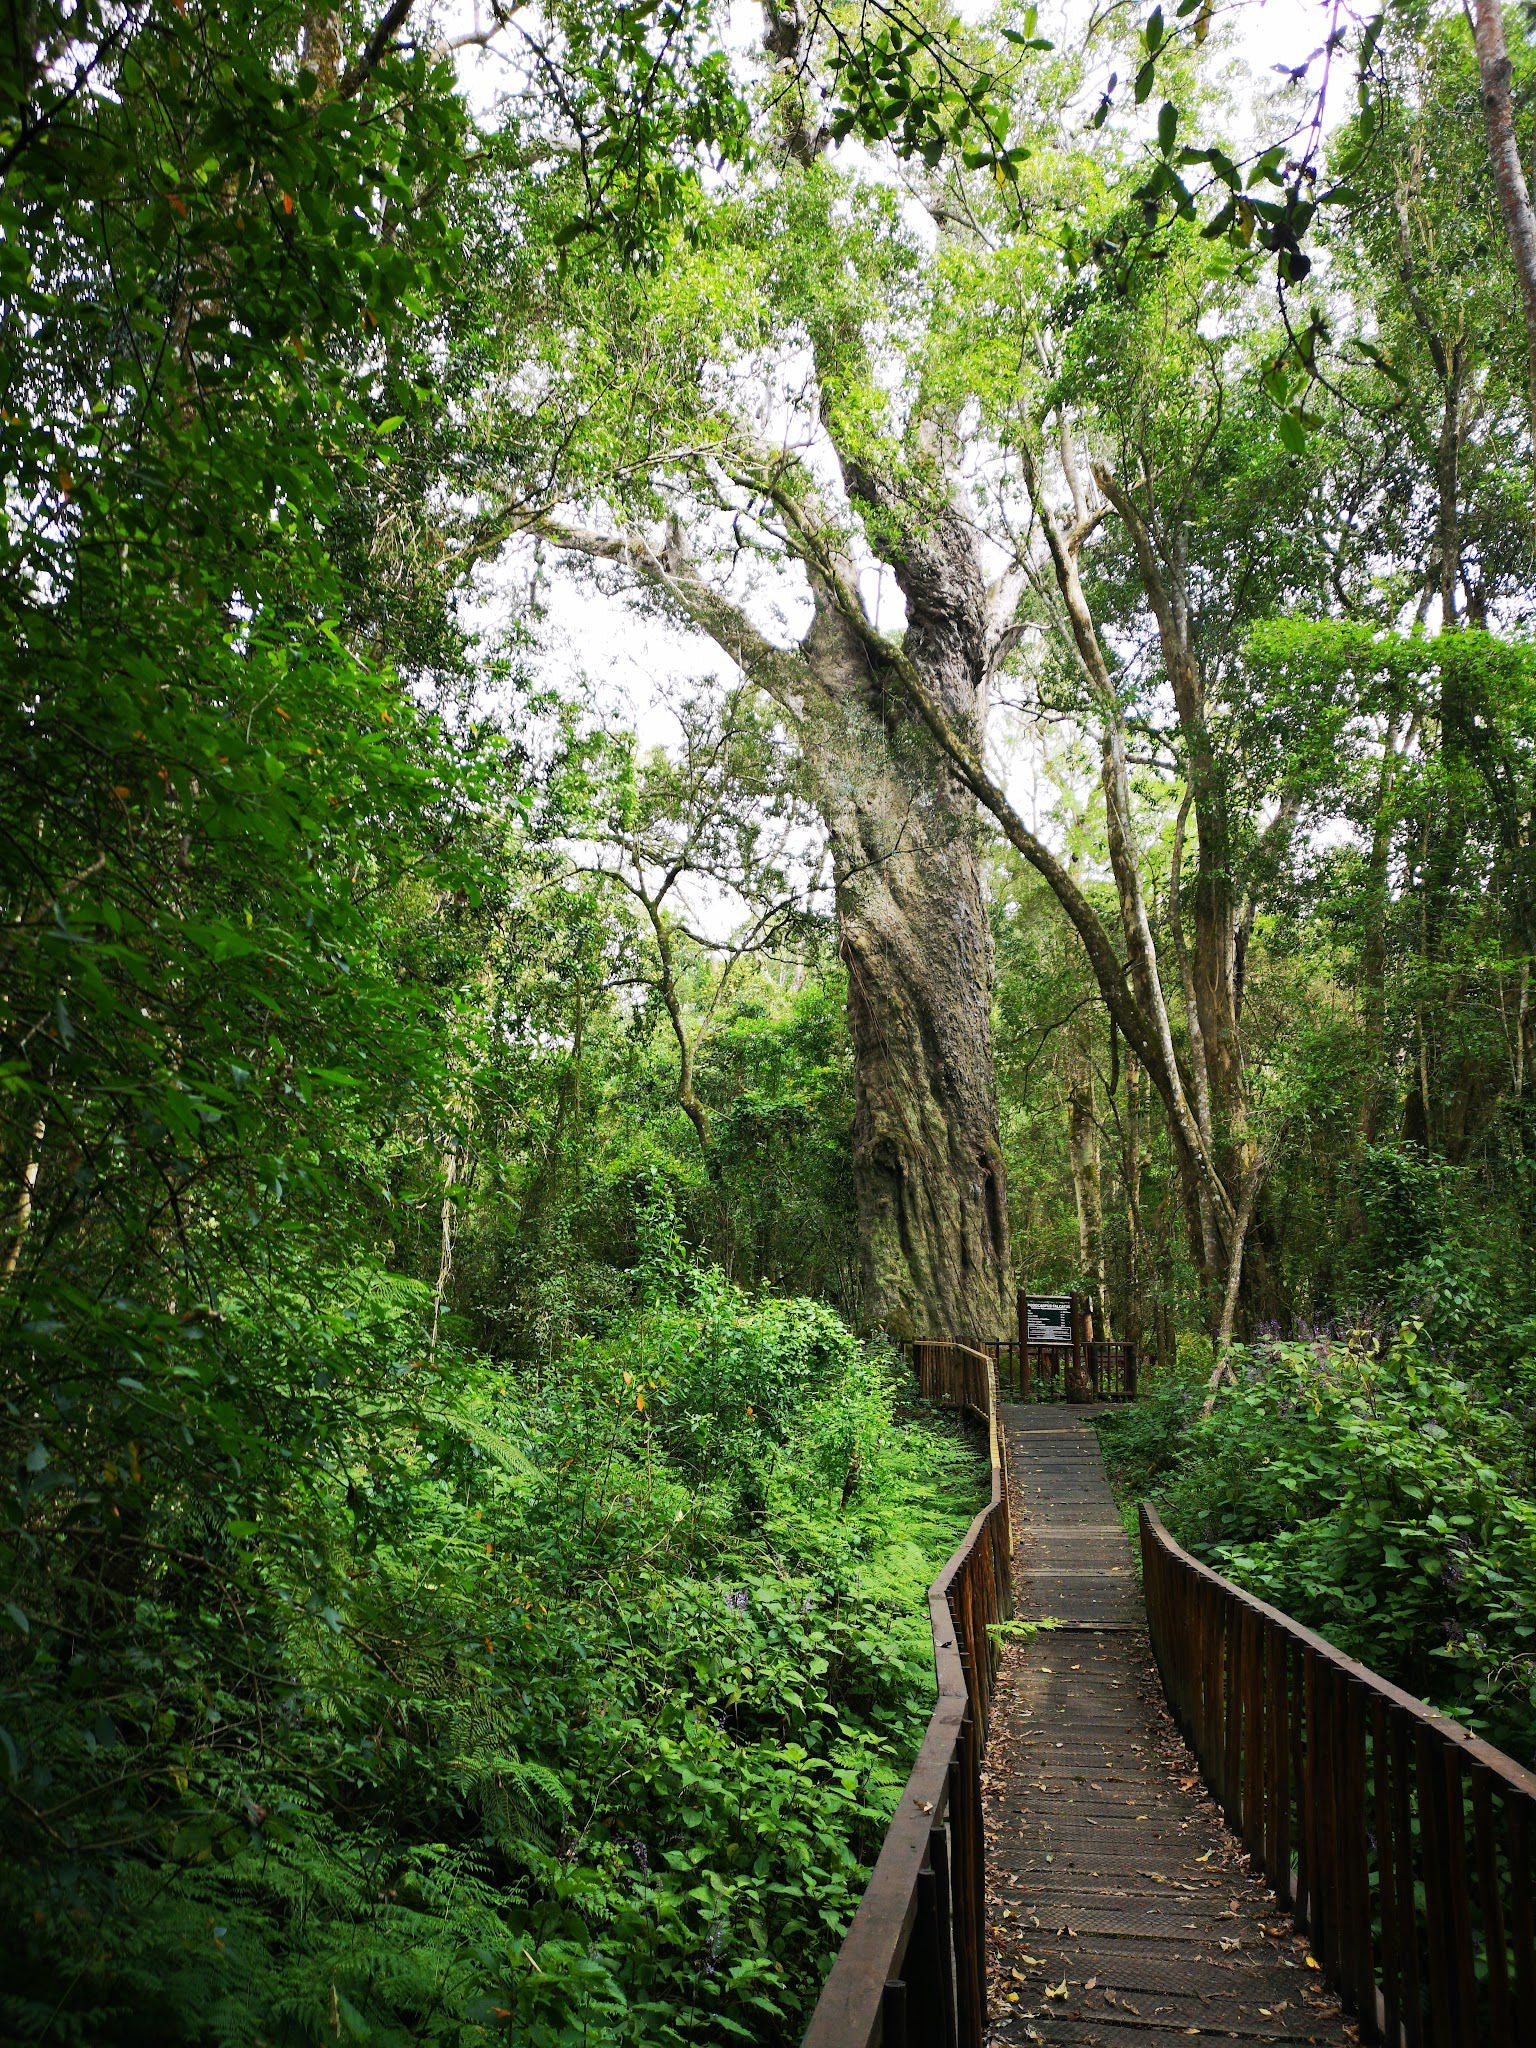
column 1377, row 1480
column 566, row 1707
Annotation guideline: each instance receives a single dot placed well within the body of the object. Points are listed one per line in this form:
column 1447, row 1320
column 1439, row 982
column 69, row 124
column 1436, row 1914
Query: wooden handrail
column 1401, row 1842
column 1040, row 1372
column 912, row 1968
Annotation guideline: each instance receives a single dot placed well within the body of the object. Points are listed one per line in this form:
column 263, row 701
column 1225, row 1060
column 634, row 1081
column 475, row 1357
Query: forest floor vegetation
column 578, row 1716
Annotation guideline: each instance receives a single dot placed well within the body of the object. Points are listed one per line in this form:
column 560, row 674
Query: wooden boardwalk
column 1122, row 1913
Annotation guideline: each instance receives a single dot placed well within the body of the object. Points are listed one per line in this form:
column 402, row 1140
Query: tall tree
column 1496, row 73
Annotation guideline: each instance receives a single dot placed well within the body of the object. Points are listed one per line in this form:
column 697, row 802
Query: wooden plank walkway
column 1122, row 1911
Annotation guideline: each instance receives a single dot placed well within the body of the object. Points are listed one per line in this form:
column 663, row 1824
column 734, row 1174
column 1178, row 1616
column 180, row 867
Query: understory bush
column 1376, row 1492
column 576, row 1714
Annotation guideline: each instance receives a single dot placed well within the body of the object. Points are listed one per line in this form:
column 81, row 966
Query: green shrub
column 1367, row 1488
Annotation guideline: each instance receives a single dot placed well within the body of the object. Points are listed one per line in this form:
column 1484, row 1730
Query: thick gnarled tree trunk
column 914, row 936
column 912, row 923
column 926, row 1155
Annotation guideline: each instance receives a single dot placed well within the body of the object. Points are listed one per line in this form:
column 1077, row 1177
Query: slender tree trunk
column 1233, row 1287
column 1447, row 486
column 1373, row 950
column 1130, row 1178
column 1208, row 969
column 1509, row 176
column 1087, row 1173
column 445, row 1245
column 1200, row 1073
column 21, row 1206
column 687, row 1097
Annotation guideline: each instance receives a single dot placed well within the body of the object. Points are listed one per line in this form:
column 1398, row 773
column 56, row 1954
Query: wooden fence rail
column 1402, row 1844
column 1039, row 1372
column 912, row 1971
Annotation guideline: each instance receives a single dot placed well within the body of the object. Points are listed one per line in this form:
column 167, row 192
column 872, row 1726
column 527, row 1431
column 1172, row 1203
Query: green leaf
column 1293, row 433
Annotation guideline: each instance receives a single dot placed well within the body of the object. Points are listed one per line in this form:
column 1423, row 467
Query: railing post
column 893, row 2014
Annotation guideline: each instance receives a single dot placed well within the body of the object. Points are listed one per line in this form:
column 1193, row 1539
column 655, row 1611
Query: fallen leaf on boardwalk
column 1228, row 1946
column 1092, row 1984
column 1313, row 1963
column 1056, row 1990
column 1070, row 1934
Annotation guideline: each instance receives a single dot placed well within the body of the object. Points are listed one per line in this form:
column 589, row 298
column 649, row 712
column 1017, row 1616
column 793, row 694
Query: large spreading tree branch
column 779, row 671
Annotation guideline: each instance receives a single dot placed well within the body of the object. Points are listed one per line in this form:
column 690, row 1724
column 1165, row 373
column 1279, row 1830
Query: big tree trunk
column 914, row 938
column 912, row 922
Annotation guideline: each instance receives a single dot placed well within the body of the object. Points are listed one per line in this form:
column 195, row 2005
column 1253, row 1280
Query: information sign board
column 1048, row 1319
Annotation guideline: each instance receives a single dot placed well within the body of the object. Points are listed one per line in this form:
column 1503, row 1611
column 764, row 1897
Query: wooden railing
column 1039, row 1372
column 912, row 1969
column 1402, row 1844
